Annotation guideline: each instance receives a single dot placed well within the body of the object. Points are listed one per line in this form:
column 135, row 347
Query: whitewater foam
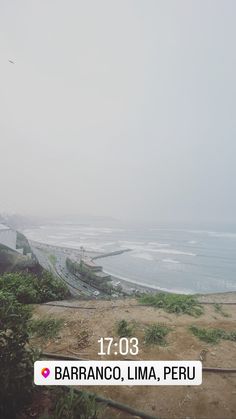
column 143, row 284
column 170, row 260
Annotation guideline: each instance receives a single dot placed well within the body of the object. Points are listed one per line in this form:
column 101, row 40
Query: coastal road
column 44, row 260
column 75, row 280
column 53, row 259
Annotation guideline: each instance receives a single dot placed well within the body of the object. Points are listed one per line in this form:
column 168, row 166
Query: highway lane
column 44, row 260
column 57, row 266
column 76, row 279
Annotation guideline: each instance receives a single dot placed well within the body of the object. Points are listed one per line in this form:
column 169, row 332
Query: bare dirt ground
column 214, row 399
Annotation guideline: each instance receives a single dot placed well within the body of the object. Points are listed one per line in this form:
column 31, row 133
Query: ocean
column 177, row 259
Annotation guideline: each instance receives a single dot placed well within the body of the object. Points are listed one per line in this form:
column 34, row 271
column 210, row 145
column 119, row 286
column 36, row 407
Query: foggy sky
column 121, row 108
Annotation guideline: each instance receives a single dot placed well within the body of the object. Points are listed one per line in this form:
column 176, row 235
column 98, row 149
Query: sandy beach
column 221, row 297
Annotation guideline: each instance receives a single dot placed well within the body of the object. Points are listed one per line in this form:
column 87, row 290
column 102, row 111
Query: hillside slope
column 216, row 397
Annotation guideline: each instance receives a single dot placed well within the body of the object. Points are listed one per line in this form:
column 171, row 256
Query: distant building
column 89, row 264
column 8, row 238
column 102, row 275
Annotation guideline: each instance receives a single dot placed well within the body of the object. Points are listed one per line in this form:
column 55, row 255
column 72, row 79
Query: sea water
column 177, row 258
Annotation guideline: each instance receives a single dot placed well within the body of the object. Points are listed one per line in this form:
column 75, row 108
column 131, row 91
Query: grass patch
column 156, row 333
column 52, row 259
column 124, row 329
column 47, row 328
column 212, row 335
column 68, row 404
column 173, row 303
column 218, row 309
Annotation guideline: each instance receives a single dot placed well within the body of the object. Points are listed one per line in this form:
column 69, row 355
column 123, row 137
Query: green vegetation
column 52, row 259
column 86, row 275
column 71, row 405
column 17, row 358
column 124, row 329
column 212, row 335
column 219, row 310
column 13, row 261
column 16, row 362
column 22, row 243
column 47, row 328
column 28, row 288
column 156, row 333
column 173, row 303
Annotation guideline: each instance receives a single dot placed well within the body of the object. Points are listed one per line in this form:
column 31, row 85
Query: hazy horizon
column 122, row 109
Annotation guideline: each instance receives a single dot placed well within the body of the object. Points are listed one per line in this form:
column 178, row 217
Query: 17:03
column 124, row 346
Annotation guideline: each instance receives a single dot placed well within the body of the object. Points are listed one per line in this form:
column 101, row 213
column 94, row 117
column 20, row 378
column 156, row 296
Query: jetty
column 114, row 253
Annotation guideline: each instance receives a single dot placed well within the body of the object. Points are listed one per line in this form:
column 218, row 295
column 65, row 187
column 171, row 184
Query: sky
column 119, row 108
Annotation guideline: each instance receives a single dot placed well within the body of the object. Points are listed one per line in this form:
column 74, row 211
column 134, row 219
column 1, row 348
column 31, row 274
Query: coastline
column 214, row 297
column 130, row 287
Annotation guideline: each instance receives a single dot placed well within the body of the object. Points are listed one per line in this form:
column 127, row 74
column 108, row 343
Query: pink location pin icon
column 45, row 372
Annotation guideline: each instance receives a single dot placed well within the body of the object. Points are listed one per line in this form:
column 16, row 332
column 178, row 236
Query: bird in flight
column 10, row 61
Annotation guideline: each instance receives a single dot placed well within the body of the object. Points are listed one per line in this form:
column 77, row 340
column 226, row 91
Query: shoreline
column 127, row 284
column 130, row 286
column 215, row 296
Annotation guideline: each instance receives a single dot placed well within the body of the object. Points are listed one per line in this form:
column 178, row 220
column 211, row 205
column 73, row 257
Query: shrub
column 218, row 309
column 71, row 405
column 47, row 328
column 16, row 362
column 173, row 303
column 50, row 288
column 124, row 329
column 212, row 335
column 156, row 333
column 31, row 289
column 23, row 286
